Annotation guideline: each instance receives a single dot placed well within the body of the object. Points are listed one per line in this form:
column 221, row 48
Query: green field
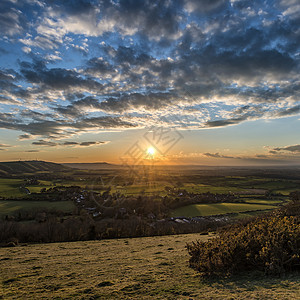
column 195, row 210
column 139, row 268
column 159, row 187
column 212, row 184
column 10, row 207
column 261, row 201
column 11, row 187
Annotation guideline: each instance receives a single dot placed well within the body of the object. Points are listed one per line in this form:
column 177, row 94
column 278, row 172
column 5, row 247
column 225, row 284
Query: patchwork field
column 195, row 184
column 195, row 210
column 11, row 207
column 139, row 268
column 250, row 189
column 11, row 187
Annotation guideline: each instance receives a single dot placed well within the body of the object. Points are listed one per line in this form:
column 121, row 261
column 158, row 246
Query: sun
column 151, row 151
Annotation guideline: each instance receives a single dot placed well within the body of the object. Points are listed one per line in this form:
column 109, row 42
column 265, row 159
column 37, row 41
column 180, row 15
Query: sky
column 205, row 82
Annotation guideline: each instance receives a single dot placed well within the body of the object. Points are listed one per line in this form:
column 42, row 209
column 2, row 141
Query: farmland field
column 10, row 187
column 195, row 210
column 10, row 207
column 261, row 201
column 138, row 268
column 246, row 187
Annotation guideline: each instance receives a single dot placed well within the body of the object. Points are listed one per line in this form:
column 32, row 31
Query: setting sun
column 151, row 151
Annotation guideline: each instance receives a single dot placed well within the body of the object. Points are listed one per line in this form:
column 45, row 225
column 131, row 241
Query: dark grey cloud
column 104, row 122
column 218, row 155
column 76, row 108
column 294, row 148
column 290, row 111
column 273, row 152
column 97, row 66
column 87, row 144
column 32, row 151
column 62, row 128
column 12, row 20
column 155, row 19
column 70, row 143
column 33, row 115
column 72, row 7
column 221, row 123
column 119, row 104
column 45, row 143
column 24, row 136
column 67, row 143
column 56, row 78
column 149, row 101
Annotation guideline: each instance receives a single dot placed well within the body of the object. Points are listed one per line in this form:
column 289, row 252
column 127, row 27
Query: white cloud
column 26, row 49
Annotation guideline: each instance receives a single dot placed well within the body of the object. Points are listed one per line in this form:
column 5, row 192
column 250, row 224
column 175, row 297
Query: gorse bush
column 270, row 244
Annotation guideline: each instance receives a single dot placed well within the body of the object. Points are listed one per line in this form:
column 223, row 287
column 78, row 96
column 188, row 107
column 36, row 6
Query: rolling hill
column 89, row 166
column 33, row 166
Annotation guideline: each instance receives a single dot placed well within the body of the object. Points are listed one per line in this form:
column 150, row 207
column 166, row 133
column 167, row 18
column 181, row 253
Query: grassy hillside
column 140, row 268
column 90, row 166
column 23, row 167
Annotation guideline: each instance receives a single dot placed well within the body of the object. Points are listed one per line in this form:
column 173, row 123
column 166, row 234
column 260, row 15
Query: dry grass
column 139, row 268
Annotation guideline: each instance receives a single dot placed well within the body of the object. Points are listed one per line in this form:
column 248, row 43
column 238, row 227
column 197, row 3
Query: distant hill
column 32, row 166
column 89, row 166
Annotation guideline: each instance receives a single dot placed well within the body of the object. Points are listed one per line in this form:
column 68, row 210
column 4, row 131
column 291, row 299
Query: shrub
column 270, row 244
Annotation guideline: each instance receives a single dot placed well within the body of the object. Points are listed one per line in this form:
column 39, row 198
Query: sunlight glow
column 151, row 151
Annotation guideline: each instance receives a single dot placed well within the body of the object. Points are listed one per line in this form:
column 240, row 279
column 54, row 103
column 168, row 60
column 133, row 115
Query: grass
column 201, row 188
column 10, row 187
column 249, row 214
column 195, row 210
column 261, row 201
column 10, row 207
column 139, row 268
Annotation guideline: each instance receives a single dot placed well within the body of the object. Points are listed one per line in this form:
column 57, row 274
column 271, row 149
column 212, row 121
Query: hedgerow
column 270, row 244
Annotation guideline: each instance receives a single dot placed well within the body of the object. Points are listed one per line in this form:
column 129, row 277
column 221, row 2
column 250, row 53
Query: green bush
column 270, row 244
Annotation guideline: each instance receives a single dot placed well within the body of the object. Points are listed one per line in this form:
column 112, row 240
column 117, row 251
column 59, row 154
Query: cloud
column 44, row 143
column 53, row 57
column 62, row 128
column 219, row 62
column 25, row 137
column 32, row 151
column 26, row 49
column 221, row 123
column 217, row 155
column 12, row 21
column 289, row 112
column 70, row 143
column 56, row 78
column 83, row 144
column 204, row 6
column 151, row 101
column 152, row 19
column 5, row 146
column 67, row 143
column 87, row 144
column 294, row 149
column 99, row 66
